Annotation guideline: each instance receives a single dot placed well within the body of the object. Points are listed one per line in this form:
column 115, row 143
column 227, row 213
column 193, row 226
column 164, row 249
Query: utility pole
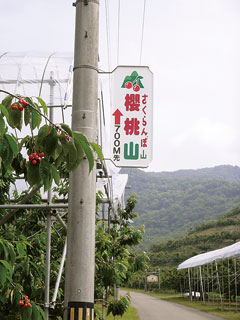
column 80, row 263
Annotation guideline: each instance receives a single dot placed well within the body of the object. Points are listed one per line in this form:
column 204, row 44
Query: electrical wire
column 108, row 33
column 144, row 9
column 118, row 32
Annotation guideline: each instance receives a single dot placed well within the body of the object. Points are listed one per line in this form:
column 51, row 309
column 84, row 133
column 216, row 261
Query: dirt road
column 150, row 308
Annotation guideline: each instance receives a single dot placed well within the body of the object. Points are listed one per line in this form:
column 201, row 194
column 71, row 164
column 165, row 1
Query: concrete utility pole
column 79, row 282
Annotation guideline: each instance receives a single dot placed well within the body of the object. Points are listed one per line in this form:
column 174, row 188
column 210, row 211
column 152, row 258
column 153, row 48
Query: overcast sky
column 191, row 46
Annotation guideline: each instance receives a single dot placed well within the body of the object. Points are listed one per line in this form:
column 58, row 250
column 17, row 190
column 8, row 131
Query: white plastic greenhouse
column 212, row 256
column 215, row 275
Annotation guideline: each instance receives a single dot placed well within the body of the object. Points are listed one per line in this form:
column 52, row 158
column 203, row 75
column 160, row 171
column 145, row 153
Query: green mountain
column 224, row 172
column 209, row 236
column 170, row 203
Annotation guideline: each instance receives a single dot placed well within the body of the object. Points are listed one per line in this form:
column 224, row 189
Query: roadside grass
column 131, row 314
column 209, row 308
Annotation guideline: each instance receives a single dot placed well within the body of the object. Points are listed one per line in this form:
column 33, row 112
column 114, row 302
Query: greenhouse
column 214, row 276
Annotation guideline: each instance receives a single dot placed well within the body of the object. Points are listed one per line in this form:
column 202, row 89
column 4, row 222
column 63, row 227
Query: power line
column 144, row 9
column 118, row 32
column 108, row 33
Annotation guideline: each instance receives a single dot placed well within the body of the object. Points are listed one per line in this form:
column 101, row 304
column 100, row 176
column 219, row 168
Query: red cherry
column 34, row 162
column 67, row 137
column 34, row 155
column 24, row 103
column 31, row 157
column 21, row 107
column 14, row 106
column 58, row 134
column 136, row 87
column 41, row 154
column 128, row 85
column 37, row 157
column 20, row 303
column 29, row 305
column 26, row 305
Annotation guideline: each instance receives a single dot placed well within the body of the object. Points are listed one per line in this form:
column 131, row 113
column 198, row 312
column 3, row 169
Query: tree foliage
column 50, row 148
column 48, row 153
column 116, row 264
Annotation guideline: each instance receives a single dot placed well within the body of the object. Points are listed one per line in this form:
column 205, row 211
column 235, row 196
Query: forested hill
column 209, row 236
column 169, row 204
column 225, row 172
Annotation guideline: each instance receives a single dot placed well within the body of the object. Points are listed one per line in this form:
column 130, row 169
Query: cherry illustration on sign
column 133, row 81
column 131, row 129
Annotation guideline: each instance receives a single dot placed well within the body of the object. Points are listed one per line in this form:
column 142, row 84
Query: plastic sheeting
column 118, row 182
column 49, row 75
column 31, row 74
column 208, row 257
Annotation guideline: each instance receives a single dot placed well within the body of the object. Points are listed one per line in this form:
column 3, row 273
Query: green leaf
column 67, row 129
column 24, row 140
column 17, row 298
column 7, row 266
column 2, row 125
column 21, row 248
column 4, row 111
column 46, row 174
column 51, row 142
column 57, row 151
column 35, row 313
column 27, row 112
column 41, row 312
column 43, row 104
column 15, row 118
column 55, row 174
column 11, row 252
column 64, row 143
column 7, row 154
column 89, row 154
column 36, row 268
column 13, row 144
column 36, row 117
column 7, row 102
column 2, row 274
column 1, row 146
column 42, row 134
column 33, row 176
column 26, row 313
column 98, row 150
column 72, row 155
column 60, row 160
column 80, row 152
column 80, row 136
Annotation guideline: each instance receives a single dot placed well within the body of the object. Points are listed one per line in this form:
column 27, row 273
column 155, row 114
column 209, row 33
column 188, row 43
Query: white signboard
column 152, row 278
column 131, row 118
